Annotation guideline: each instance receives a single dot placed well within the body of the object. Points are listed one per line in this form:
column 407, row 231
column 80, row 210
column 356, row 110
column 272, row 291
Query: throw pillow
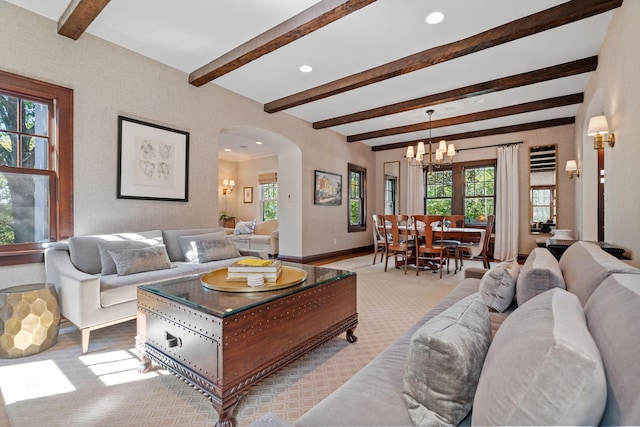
column 214, row 250
column 108, row 265
column 188, row 243
column 539, row 273
column 129, row 261
column 444, row 362
column 543, row 367
column 498, row 285
column 245, row 227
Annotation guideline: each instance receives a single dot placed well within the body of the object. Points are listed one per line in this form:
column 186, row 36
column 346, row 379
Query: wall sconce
column 598, row 128
column 572, row 168
column 227, row 186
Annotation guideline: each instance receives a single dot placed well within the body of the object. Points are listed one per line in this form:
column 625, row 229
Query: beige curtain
column 507, row 205
column 415, row 190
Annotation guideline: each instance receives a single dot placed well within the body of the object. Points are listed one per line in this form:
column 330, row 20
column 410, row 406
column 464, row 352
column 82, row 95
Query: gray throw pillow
column 539, row 273
column 108, row 265
column 130, row 261
column 543, row 367
column 444, row 362
column 498, row 285
column 188, row 243
column 245, row 227
column 214, row 250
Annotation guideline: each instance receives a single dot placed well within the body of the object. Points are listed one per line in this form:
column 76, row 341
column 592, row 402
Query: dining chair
column 397, row 232
column 426, row 251
column 379, row 242
column 457, row 221
column 478, row 249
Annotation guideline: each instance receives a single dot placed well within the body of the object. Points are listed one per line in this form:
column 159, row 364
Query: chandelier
column 416, row 157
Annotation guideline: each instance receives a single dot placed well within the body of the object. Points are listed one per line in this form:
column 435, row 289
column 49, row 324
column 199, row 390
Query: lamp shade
column 232, row 183
column 451, row 151
column 443, row 146
column 410, row 152
column 571, row 166
column 598, row 125
column 420, row 149
column 225, row 182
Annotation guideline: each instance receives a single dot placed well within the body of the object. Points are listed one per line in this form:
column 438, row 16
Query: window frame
column 465, row 197
column 361, row 198
column 262, row 201
column 426, row 191
column 60, row 166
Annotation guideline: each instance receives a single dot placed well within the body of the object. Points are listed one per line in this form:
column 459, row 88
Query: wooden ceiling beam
column 527, row 107
column 78, row 16
column 307, row 21
column 562, row 14
column 485, row 132
column 541, row 75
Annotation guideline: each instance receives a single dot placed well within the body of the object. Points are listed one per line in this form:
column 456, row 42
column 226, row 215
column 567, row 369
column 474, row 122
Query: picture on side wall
column 248, row 195
column 153, row 161
column 328, row 189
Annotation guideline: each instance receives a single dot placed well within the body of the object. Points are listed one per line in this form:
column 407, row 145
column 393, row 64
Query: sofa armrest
column 275, row 242
column 78, row 292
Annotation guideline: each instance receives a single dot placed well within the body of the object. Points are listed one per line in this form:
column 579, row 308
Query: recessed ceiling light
column 434, row 18
column 306, row 68
column 227, row 149
column 258, row 142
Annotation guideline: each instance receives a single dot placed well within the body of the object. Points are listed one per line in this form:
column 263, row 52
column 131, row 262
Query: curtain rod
column 489, row 146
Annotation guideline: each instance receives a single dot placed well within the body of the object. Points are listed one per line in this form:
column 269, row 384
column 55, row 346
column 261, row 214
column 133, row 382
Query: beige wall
column 614, row 88
column 562, row 136
column 109, row 81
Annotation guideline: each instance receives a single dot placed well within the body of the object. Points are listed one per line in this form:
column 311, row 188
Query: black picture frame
column 327, row 188
column 153, row 161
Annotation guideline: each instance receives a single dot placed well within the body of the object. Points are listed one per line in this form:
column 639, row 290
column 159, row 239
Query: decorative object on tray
column 217, row 280
column 242, row 269
column 255, row 280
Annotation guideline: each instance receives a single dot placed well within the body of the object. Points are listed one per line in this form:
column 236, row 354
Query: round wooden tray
column 217, row 280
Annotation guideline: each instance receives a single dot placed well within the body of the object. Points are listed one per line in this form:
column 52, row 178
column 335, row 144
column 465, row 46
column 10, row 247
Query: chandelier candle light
column 416, row 157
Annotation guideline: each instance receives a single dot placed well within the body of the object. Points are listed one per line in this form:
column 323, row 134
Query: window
column 357, row 198
column 268, row 195
column 439, row 192
column 479, row 193
column 390, row 185
column 36, row 176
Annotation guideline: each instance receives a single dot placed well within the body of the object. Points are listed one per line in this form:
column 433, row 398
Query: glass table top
column 190, row 291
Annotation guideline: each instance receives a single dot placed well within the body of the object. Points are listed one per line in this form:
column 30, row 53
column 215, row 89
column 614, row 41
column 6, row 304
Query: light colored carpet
column 62, row 387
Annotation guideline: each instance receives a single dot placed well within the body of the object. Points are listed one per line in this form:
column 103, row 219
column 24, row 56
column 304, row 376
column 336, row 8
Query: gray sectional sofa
column 557, row 357
column 96, row 276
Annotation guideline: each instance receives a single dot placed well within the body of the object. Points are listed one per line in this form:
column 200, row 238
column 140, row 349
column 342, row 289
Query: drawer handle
column 172, row 341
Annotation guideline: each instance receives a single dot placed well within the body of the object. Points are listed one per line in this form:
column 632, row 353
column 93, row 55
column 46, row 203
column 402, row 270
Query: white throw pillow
column 245, row 227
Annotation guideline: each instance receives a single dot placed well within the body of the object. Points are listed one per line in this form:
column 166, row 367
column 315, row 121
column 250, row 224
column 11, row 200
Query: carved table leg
column 350, row 337
column 145, row 366
column 225, row 416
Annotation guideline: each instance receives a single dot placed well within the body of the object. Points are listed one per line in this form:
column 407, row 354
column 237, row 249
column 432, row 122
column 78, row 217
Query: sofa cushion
column 214, row 250
column 188, row 243
column 498, row 285
column 266, row 227
column 108, row 265
column 170, row 239
column 444, row 362
column 138, row 260
column 245, row 227
column 539, row 273
column 543, row 367
column 613, row 316
column 85, row 254
column 585, row 265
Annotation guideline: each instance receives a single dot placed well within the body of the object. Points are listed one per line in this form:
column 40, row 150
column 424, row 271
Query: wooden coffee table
column 223, row 343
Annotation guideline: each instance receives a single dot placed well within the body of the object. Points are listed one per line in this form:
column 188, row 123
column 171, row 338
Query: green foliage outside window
column 439, row 192
column 480, row 184
column 269, row 201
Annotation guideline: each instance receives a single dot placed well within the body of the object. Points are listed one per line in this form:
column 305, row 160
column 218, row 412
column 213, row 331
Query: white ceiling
column 190, row 33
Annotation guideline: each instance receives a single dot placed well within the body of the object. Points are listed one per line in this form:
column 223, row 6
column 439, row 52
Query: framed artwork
column 328, row 189
column 153, row 161
column 248, row 195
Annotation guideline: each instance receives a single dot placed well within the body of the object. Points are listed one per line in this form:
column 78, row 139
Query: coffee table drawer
column 185, row 346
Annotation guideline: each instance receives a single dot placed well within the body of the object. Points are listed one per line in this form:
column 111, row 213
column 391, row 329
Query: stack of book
column 240, row 270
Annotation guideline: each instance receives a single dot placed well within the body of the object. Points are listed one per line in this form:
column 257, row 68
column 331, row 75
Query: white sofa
column 92, row 300
column 264, row 239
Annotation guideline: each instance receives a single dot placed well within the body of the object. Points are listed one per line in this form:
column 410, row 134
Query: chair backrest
column 487, row 239
column 398, row 227
column 457, row 221
column 378, row 228
column 425, row 231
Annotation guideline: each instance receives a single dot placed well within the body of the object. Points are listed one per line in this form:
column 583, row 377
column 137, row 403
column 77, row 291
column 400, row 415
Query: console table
column 558, row 246
column 222, row 343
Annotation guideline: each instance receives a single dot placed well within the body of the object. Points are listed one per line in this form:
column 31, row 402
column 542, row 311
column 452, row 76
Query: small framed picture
column 248, row 195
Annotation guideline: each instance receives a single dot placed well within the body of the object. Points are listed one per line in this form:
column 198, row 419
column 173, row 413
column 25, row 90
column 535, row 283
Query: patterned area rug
column 62, row 387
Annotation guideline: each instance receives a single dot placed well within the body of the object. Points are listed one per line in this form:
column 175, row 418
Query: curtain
column 507, row 215
column 415, row 190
